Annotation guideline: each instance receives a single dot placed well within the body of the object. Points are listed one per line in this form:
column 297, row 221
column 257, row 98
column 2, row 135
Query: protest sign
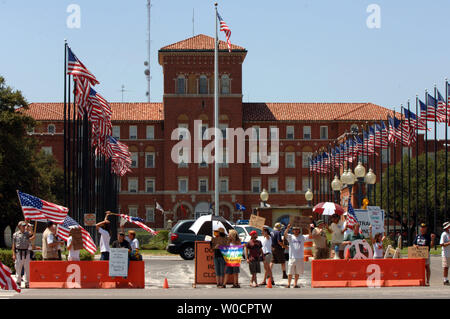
column 118, row 262
column 418, row 252
column 301, row 221
column 77, row 239
column 376, row 217
column 364, row 221
column 204, row 264
column 257, row 222
column 232, row 254
column 89, row 220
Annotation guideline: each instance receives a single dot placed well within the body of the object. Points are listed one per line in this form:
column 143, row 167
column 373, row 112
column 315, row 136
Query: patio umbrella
column 328, row 208
column 206, row 224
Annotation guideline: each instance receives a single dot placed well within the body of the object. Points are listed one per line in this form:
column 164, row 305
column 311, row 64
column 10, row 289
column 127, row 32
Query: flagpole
column 426, row 156
column 395, row 182
column 446, row 149
column 409, row 175
column 435, row 161
column 387, row 183
column 65, row 122
column 402, row 112
column 417, row 166
column 216, row 118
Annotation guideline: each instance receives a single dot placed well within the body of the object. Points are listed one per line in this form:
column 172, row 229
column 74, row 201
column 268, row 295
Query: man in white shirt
column 337, row 236
column 296, row 264
column 445, row 244
column 103, row 229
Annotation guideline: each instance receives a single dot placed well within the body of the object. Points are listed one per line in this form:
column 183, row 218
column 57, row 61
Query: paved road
column 180, row 275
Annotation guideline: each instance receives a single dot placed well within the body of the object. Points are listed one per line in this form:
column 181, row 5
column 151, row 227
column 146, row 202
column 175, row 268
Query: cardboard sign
column 204, row 264
column 118, row 262
column 418, row 252
column 301, row 221
column 376, row 218
column 77, row 239
column 257, row 222
column 364, row 221
column 89, row 220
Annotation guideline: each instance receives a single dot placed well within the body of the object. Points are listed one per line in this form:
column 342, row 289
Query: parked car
column 182, row 240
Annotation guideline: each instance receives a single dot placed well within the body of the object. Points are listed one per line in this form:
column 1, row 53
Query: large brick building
column 188, row 68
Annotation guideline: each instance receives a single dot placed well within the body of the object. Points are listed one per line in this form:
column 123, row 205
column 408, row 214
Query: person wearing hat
column 219, row 239
column 254, row 253
column 278, row 249
column 121, row 242
column 425, row 239
column 319, row 238
column 20, row 253
column 337, row 236
column 296, row 264
column 445, row 244
column 50, row 242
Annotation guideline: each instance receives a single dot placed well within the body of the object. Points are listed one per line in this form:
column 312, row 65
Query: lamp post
column 370, row 179
column 336, row 186
column 360, row 172
column 349, row 179
column 309, row 196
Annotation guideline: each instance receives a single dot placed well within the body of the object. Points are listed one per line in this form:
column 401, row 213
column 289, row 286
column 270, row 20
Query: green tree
column 21, row 165
column 425, row 208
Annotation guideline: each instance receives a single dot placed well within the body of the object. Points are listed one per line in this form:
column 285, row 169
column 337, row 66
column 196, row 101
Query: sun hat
column 22, row 223
column 277, row 226
column 221, row 230
column 446, row 225
column 295, row 228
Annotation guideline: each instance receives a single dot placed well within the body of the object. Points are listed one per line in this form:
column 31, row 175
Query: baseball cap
column 122, row 234
column 22, row 223
column 253, row 232
column 446, row 225
column 423, row 225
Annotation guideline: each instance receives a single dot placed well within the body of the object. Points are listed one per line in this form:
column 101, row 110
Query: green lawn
column 155, row 252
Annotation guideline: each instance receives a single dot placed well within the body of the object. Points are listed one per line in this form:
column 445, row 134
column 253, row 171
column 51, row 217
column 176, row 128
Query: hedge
column 158, row 242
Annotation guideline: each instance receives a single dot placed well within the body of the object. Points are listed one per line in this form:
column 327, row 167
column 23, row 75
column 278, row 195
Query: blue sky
column 298, row 50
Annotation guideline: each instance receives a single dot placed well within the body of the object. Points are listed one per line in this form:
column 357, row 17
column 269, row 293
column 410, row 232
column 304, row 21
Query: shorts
column 278, row 255
column 267, row 258
column 296, row 267
column 321, row 253
column 232, row 270
column 445, row 262
column 255, row 267
column 219, row 266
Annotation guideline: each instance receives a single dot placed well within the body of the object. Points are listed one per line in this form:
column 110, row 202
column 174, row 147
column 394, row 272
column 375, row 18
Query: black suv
column 182, row 240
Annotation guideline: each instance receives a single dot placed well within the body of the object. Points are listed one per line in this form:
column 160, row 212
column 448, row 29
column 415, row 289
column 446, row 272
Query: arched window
column 225, row 83
column 181, row 84
column 51, row 129
column 203, row 85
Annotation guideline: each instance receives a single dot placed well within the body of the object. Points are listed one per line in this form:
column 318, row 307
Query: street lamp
column 370, row 180
column 264, row 197
column 309, row 196
column 350, row 180
column 360, row 172
column 336, row 186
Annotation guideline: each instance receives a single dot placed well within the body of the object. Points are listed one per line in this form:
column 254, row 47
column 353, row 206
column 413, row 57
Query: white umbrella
column 206, row 224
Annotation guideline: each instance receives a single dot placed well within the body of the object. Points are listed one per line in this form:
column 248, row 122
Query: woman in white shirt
column 103, row 229
column 377, row 244
column 74, row 254
column 267, row 255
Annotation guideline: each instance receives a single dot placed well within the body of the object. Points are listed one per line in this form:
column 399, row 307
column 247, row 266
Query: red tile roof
column 120, row 111
column 313, row 112
column 199, row 42
column 252, row 112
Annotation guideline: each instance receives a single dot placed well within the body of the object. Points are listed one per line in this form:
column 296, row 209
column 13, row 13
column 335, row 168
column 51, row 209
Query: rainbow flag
column 232, row 254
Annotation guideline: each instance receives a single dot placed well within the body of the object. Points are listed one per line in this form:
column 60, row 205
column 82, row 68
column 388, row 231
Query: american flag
column 394, row 129
column 100, row 115
column 431, row 113
column 37, row 209
column 414, row 121
column 138, row 221
column 76, row 68
column 351, row 217
column 442, row 107
column 159, row 207
column 224, row 27
column 64, row 232
column 381, row 136
column 120, row 156
column 6, row 281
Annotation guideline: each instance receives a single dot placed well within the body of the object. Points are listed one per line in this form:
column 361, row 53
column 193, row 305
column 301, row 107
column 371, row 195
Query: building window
column 224, row 185
column 150, row 132
column 273, row 185
column 149, row 185
column 290, row 132
column 290, row 160
column 181, row 84
column 51, row 129
column 306, row 156
column 203, row 85
column 306, row 132
column 324, row 132
column 149, row 214
column 203, row 133
column 255, row 133
column 116, row 131
column 274, row 133
column 133, row 211
column 182, row 185
column 150, row 160
column 203, row 185
column 182, row 163
column 225, row 84
column 132, row 185
column 305, row 183
column 290, row 184
column 224, row 158
column 256, row 185
column 134, row 159
column 47, row 150
column 254, row 159
column 133, row 132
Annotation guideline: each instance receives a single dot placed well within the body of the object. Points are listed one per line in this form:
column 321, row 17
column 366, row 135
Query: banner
column 232, row 254
column 376, row 217
column 364, row 221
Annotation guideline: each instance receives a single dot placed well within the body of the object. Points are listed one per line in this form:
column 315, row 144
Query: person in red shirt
column 254, row 253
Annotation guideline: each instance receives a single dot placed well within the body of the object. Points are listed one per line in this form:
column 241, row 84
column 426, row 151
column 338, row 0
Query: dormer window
column 203, row 85
column 181, row 84
column 225, row 84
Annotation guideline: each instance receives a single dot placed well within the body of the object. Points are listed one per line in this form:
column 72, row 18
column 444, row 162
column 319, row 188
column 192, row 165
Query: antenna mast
column 147, row 63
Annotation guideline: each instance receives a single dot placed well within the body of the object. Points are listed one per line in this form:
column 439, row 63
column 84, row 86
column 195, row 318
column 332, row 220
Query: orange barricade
column 308, row 249
column 83, row 274
column 368, row 272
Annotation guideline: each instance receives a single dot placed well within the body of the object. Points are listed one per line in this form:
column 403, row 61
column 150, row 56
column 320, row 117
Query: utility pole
column 147, row 63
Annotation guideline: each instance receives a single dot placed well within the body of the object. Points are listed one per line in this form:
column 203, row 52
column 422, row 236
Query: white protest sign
column 376, row 217
column 363, row 218
column 118, row 262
